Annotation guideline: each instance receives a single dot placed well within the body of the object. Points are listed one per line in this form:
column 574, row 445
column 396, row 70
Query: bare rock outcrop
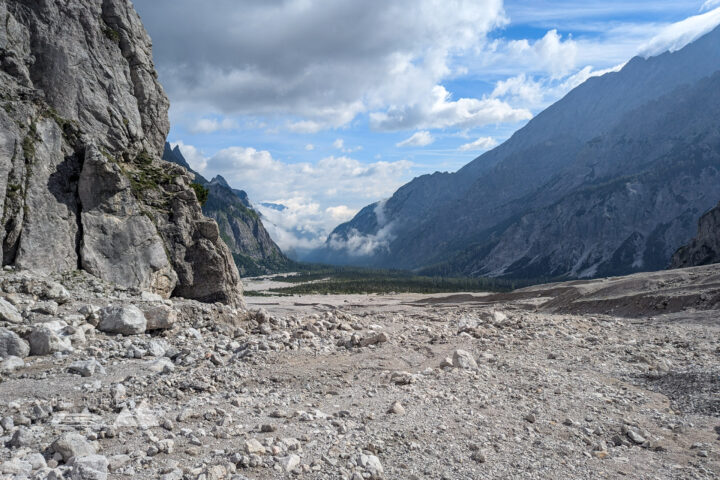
column 82, row 129
column 705, row 248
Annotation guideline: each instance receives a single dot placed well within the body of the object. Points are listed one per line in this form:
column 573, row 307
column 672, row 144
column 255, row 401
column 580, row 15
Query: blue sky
column 327, row 106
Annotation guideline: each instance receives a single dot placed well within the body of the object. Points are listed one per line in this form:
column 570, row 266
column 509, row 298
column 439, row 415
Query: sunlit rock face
column 82, row 129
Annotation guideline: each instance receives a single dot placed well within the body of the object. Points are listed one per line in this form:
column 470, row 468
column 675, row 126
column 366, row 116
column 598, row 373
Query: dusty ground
column 606, row 379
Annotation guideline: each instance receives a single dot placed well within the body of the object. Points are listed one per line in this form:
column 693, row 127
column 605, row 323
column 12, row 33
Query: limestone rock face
column 120, row 242
column 83, row 121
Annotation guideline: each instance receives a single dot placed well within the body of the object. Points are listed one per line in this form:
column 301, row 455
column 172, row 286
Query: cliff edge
column 82, row 129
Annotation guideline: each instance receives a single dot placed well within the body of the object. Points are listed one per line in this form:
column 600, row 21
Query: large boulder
column 72, row 444
column 125, row 320
column 10, row 364
column 11, row 345
column 46, row 341
column 120, row 242
column 160, row 317
column 464, row 360
column 9, row 313
column 91, row 467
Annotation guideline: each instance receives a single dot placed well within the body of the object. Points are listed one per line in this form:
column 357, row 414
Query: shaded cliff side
column 705, row 247
column 82, row 128
column 607, row 181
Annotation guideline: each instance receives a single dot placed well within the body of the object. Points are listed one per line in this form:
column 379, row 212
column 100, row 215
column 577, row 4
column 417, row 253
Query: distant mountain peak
column 221, row 180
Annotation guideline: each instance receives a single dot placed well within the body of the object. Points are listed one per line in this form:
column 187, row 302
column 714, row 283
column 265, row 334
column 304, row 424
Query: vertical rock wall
column 83, row 122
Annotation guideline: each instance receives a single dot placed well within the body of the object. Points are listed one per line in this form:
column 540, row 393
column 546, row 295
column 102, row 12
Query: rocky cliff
column 607, row 181
column 241, row 227
column 82, row 128
column 705, row 247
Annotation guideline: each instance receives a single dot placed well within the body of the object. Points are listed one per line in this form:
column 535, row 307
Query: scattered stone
column 8, row 313
column 254, row 447
column 46, row 308
column 124, row 320
column 289, row 463
column 71, row 444
column 11, row 345
column 464, row 360
column 160, row 317
column 15, row 468
column 86, row 368
column 478, row 456
column 402, row 378
column 155, row 349
column 397, row 409
column 55, row 292
column 10, row 364
column 90, row 467
column 161, row 365
column 44, row 341
column 116, row 462
column 36, row 460
column 151, row 297
column 374, row 339
column 372, row 465
column 635, row 437
column 22, row 437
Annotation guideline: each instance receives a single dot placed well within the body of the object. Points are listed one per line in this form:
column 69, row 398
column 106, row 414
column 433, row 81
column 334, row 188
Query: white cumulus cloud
column 482, row 143
column 318, row 196
column 319, row 63
column 440, row 111
column 341, row 213
column 709, row 5
column 211, row 125
column 418, row 139
column 675, row 36
column 550, row 53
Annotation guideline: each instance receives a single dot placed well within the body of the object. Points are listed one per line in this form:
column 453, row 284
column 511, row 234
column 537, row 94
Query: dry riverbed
column 406, row 386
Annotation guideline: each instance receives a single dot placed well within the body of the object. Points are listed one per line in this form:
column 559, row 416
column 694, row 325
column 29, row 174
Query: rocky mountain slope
column 705, row 247
column 82, row 128
column 241, row 227
column 609, row 180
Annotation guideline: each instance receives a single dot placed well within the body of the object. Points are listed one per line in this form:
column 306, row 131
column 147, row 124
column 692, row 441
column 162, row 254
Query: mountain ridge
column 435, row 219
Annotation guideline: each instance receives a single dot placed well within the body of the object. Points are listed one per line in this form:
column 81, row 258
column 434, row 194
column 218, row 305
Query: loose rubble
column 114, row 383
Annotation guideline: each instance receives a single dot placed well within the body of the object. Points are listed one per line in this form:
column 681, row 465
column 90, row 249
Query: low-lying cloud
column 676, row 36
column 356, row 244
column 316, row 196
